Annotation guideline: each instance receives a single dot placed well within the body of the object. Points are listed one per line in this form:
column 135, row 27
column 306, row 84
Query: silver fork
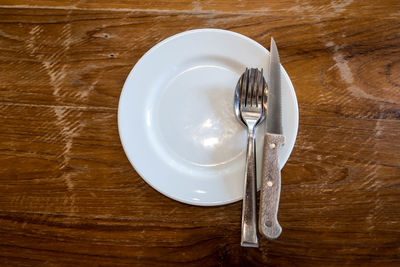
column 251, row 93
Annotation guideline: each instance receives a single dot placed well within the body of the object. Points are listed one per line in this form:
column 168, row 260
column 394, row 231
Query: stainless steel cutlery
column 274, row 139
column 250, row 109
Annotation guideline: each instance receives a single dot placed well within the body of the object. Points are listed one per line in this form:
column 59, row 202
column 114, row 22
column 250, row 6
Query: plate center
column 194, row 116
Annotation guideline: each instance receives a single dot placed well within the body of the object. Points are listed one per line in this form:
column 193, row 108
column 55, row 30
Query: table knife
column 271, row 174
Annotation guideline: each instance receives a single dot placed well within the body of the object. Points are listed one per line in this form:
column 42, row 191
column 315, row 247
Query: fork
column 251, row 112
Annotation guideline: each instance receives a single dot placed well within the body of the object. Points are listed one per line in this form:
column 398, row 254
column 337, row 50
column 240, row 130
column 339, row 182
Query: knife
column 271, row 174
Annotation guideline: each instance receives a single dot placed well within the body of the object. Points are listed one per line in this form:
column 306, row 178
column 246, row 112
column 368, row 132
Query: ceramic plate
column 176, row 119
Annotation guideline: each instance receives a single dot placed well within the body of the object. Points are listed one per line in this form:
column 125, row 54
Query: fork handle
column 249, row 222
column 271, row 187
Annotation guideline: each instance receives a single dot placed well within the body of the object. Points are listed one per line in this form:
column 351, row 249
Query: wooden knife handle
column 271, row 187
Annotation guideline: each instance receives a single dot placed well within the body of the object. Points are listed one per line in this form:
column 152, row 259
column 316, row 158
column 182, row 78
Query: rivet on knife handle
column 271, row 187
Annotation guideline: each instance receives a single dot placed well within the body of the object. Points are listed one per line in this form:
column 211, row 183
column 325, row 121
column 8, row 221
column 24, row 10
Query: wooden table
column 69, row 196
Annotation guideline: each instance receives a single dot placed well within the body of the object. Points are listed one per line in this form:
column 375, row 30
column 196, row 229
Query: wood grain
column 68, row 195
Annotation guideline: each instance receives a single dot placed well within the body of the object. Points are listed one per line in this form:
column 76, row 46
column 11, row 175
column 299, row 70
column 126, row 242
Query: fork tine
column 260, row 88
column 257, row 88
column 250, row 93
column 243, row 92
column 250, row 89
column 241, row 88
column 242, row 96
column 254, row 85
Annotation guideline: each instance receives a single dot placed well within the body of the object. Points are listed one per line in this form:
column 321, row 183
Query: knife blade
column 274, row 115
column 274, row 139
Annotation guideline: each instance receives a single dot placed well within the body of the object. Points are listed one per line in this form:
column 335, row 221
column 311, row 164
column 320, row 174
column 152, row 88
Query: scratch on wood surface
column 328, row 10
column 31, row 41
column 66, row 36
column 340, row 6
column 83, row 94
column 56, row 75
column 302, row 7
column 374, row 213
column 172, row 211
column 10, row 36
column 379, row 128
column 346, row 72
column 193, row 11
column 67, row 120
column 197, row 5
column 213, row 20
column 68, row 181
column 83, row 108
column 373, row 169
column 68, row 130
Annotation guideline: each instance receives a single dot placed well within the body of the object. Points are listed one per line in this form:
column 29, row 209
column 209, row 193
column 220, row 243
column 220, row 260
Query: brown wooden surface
column 69, row 196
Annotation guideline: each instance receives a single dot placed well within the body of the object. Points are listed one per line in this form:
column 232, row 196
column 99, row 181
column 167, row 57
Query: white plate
column 176, row 119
